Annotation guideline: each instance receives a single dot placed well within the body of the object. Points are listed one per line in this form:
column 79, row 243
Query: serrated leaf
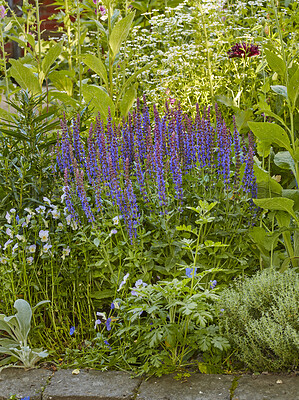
column 25, row 77
column 120, row 33
column 96, row 65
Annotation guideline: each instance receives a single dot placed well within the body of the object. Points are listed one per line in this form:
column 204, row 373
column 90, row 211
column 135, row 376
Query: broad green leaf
column 272, row 114
column 120, row 33
column 96, row 65
column 226, row 100
column 53, row 53
column 279, row 89
column 276, row 63
column 64, row 98
column 103, row 294
column 267, row 132
column 98, row 99
column 100, row 26
column 40, row 303
column 30, row 40
column 61, row 81
column 284, row 160
column 133, row 77
column 127, row 101
column 23, row 316
column 266, row 186
column 293, row 87
column 25, row 77
column 277, row 204
column 242, row 117
column 20, row 42
column 292, row 194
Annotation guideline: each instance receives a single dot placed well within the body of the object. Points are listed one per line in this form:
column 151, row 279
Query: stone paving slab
column 196, row 387
column 91, row 385
column 267, row 387
column 21, row 383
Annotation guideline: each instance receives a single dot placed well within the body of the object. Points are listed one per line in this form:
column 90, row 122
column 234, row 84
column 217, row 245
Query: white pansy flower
column 44, row 235
column 123, row 281
column 116, row 219
column 15, row 248
column 8, row 217
column 21, row 238
column 47, row 247
column 3, row 260
column 29, row 260
column 65, row 252
column 74, row 225
column 48, row 201
column 40, row 209
column 60, row 225
column 68, row 219
column 12, row 210
column 6, row 244
column 55, row 213
column 9, row 232
column 32, row 248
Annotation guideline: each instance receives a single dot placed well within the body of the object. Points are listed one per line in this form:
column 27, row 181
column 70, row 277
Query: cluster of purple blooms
column 242, row 50
column 145, row 160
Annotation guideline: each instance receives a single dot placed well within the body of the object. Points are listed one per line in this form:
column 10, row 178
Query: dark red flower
column 242, row 50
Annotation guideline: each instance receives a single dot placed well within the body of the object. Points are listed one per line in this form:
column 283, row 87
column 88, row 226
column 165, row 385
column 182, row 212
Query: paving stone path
column 42, row 384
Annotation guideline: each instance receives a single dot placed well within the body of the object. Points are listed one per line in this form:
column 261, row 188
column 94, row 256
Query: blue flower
column 108, row 322
column 213, row 284
column 72, row 330
column 191, row 271
column 112, row 306
column 98, row 322
column 26, row 398
column 107, row 344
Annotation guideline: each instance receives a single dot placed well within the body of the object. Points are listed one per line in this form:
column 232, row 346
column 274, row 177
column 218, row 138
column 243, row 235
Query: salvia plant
column 144, row 162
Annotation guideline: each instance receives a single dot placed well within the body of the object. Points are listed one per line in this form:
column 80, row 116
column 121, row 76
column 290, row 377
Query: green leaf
column 40, row 303
column 23, row 316
column 25, row 77
column 277, row 204
column 61, row 81
column 271, row 133
column 120, row 33
column 64, row 98
column 293, row 87
column 276, row 63
column 96, row 65
column 103, row 294
column 284, row 160
column 279, row 89
column 266, row 186
column 5, row 115
column 53, row 53
column 226, row 100
column 133, row 77
column 127, row 101
column 99, row 100
column 272, row 114
column 292, row 194
column 100, row 26
column 242, row 117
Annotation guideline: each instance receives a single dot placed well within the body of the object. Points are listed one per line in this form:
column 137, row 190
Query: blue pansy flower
column 108, row 322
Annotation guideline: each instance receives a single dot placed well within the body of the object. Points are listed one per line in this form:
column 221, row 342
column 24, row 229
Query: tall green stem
column 38, row 37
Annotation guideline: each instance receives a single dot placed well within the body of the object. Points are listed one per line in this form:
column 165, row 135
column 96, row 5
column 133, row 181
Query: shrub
column 261, row 320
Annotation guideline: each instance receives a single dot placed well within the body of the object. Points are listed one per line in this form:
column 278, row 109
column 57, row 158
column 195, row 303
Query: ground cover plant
column 159, row 167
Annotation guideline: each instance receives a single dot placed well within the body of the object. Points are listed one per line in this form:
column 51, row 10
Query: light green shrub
column 260, row 317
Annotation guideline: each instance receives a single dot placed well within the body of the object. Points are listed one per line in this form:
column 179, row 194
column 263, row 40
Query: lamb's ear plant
column 14, row 342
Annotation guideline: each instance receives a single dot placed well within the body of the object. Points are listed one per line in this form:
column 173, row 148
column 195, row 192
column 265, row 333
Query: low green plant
column 260, row 318
column 15, row 340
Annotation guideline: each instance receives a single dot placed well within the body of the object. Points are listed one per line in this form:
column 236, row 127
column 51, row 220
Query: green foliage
column 260, row 319
column 17, row 328
column 25, row 164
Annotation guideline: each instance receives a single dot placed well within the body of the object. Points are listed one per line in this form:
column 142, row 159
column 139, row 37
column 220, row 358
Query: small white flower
column 9, row 232
column 44, row 235
column 29, row 260
column 15, row 248
column 32, row 248
column 55, row 213
column 48, row 201
column 68, row 219
column 6, row 244
column 47, row 247
column 116, row 219
column 60, row 225
column 8, row 217
column 65, row 252
column 74, row 225
column 40, row 209
column 3, row 260
column 123, row 281
column 113, row 232
column 21, row 238
column 12, row 210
